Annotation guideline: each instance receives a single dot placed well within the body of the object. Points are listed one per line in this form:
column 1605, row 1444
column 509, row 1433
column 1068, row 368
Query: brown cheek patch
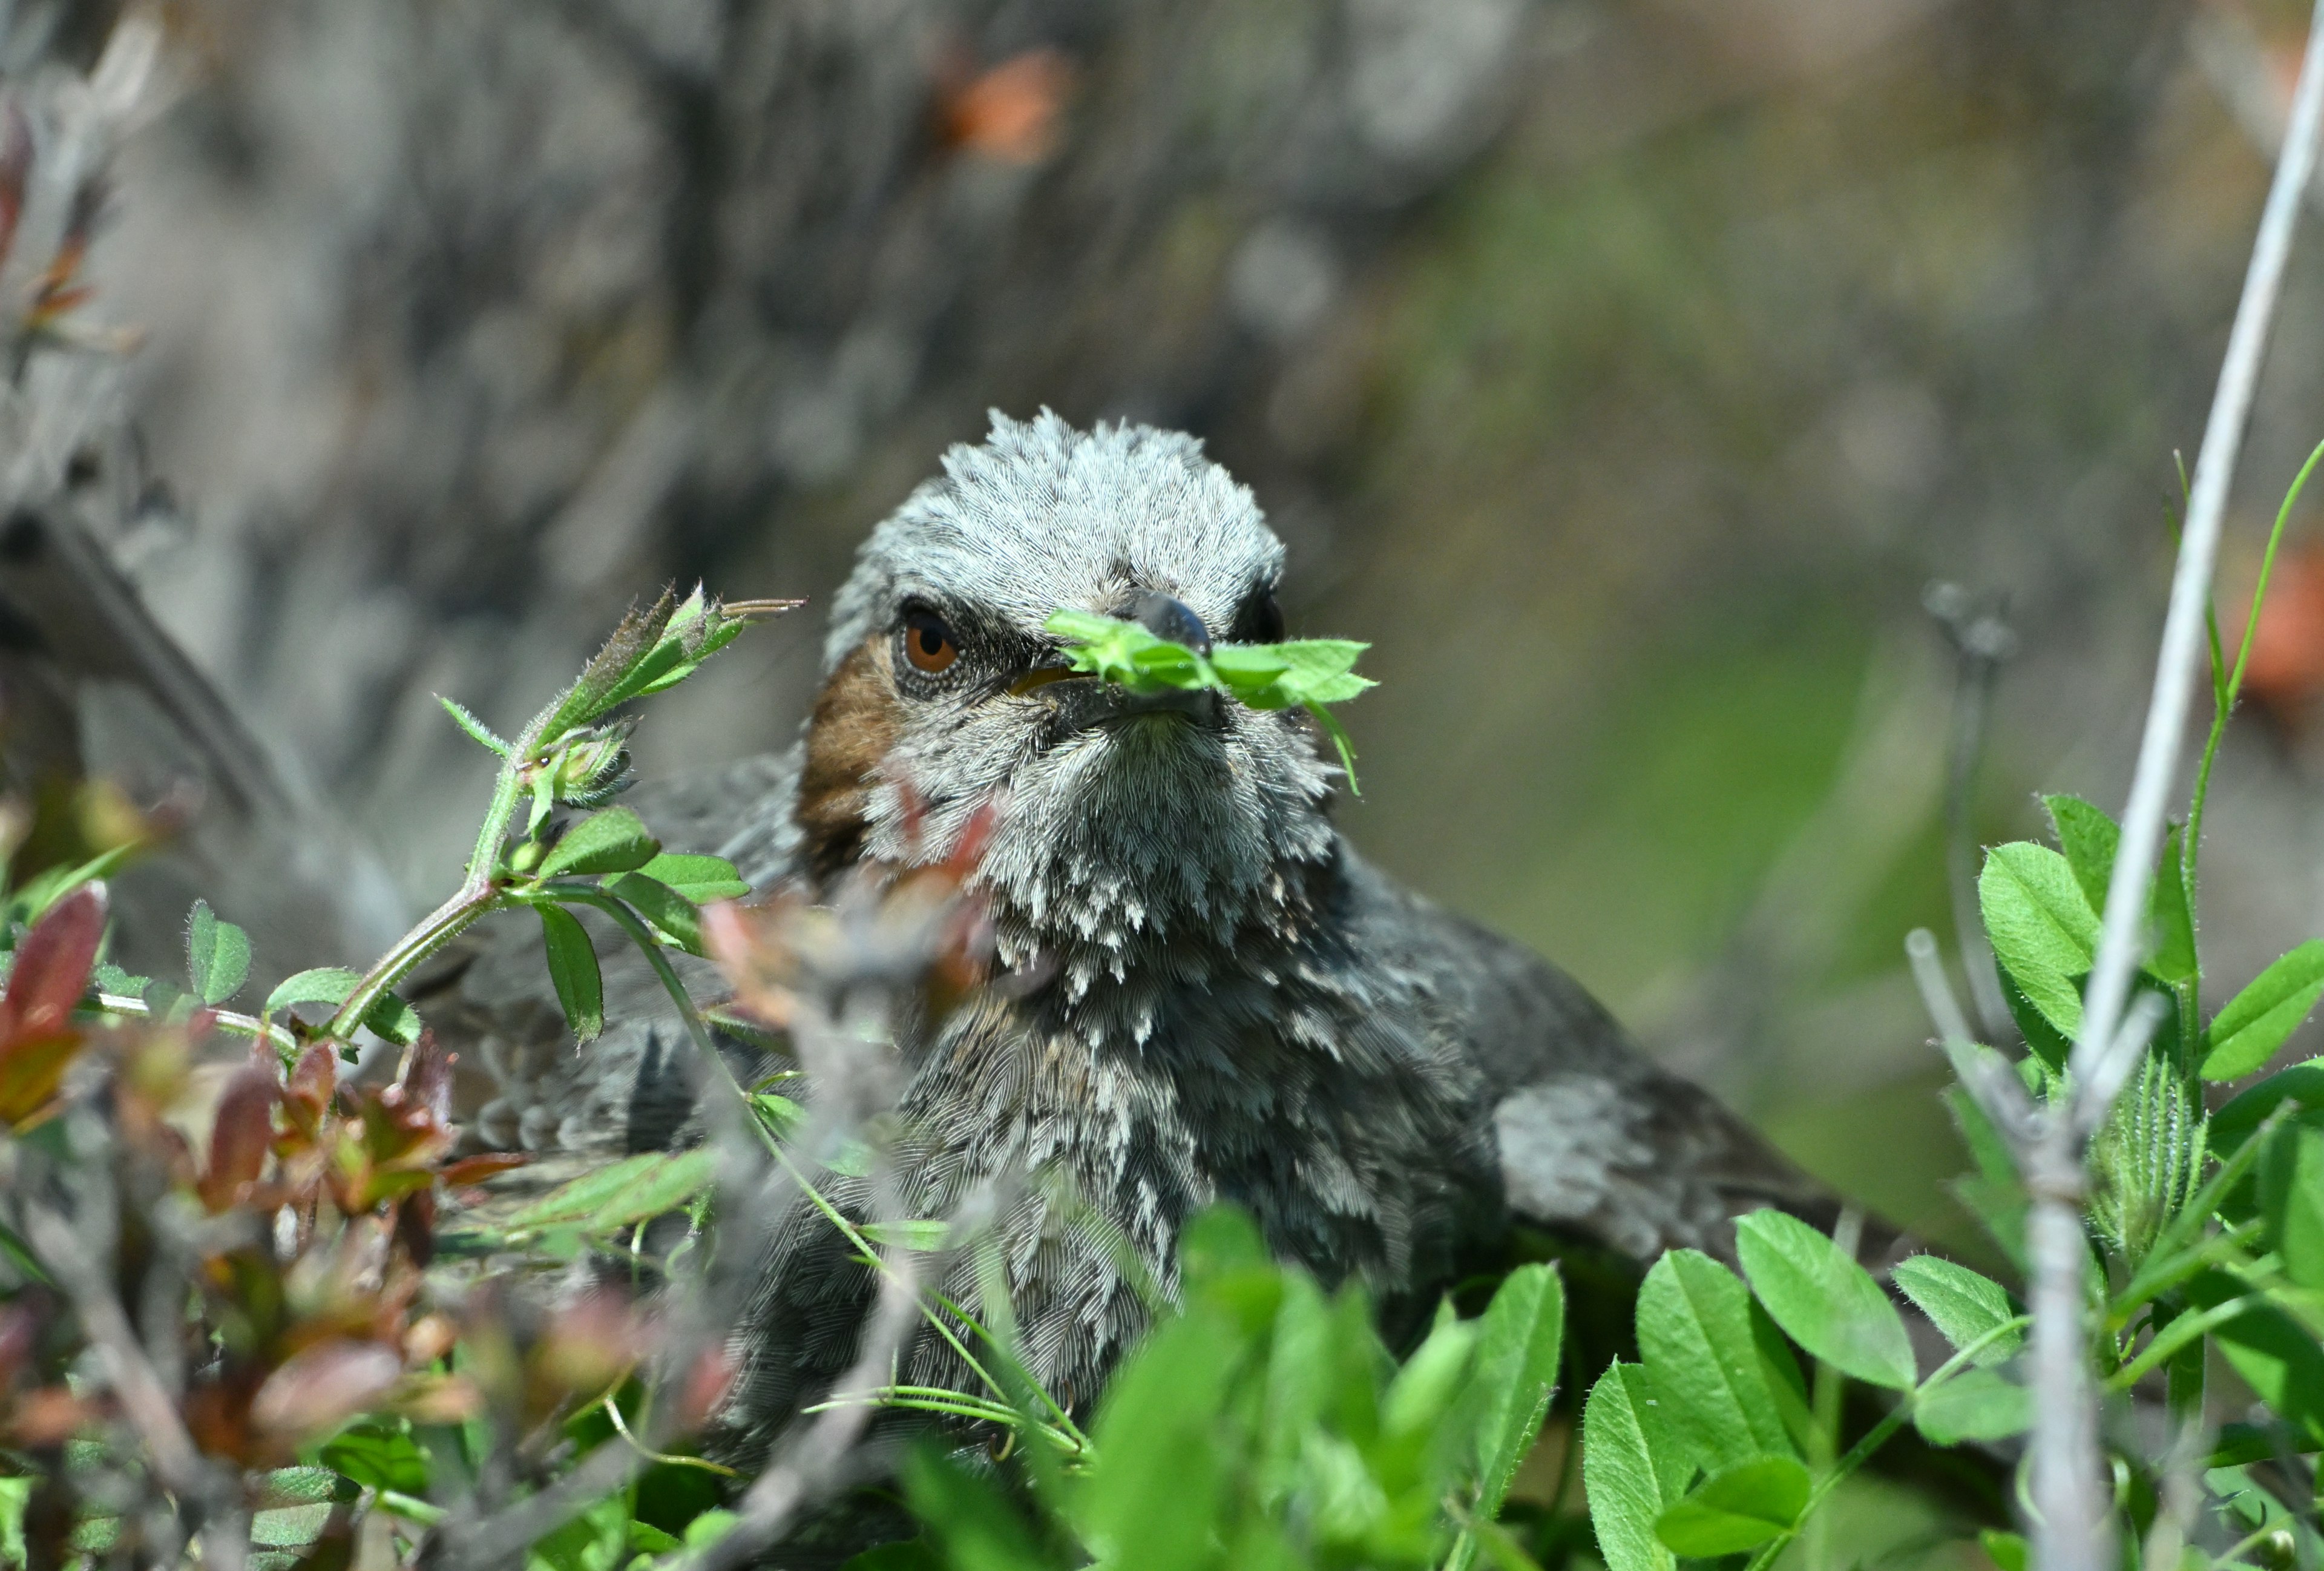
column 857, row 720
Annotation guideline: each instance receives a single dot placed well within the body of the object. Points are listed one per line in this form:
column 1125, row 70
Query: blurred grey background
column 1624, row 370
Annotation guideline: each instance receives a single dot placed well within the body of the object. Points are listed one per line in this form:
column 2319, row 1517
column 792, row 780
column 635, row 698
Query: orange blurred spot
column 1009, row 112
column 2286, row 669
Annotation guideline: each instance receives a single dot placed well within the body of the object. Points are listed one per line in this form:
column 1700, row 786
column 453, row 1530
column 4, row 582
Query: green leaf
column 636, row 1189
column 475, row 727
column 700, row 879
column 1153, row 1502
column 1707, row 1367
column 293, row 1527
column 108, row 977
column 2171, row 915
column 1312, row 672
column 379, row 1454
column 217, row 956
column 2042, row 1039
column 16, row 1496
column 1424, row 1388
column 1737, row 1508
column 599, row 1539
column 1631, row 1469
column 2007, row 1551
column 2275, row 1356
column 2087, row 837
column 2292, row 1195
column 2258, row 1020
column 392, row 1019
column 2043, row 931
column 1823, row 1300
column 674, row 915
column 1960, row 1303
column 978, row 1527
column 919, row 1235
column 782, row 1117
column 649, row 1540
column 573, row 971
column 2302, row 1084
column 1515, row 1372
column 1976, row 1404
column 322, row 984
column 615, row 840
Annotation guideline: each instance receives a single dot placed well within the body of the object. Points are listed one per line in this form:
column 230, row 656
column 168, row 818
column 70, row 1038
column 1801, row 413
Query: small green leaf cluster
column 573, row 756
column 1311, row 673
column 1710, row 1445
column 1266, row 1427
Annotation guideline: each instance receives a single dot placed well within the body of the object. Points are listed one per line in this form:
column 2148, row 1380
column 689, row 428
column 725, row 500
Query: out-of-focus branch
column 1981, row 641
column 2074, row 1528
column 817, row 1460
column 144, row 1399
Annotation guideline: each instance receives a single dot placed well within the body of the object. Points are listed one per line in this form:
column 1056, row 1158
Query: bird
column 1217, row 998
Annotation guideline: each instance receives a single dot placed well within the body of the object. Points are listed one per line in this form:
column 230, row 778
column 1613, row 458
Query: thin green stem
column 2152, row 1281
column 478, row 894
column 589, row 894
column 2227, row 696
column 2177, row 1334
column 1879, row 1435
column 930, row 1399
column 240, row 1025
column 668, row 1458
column 1823, row 1446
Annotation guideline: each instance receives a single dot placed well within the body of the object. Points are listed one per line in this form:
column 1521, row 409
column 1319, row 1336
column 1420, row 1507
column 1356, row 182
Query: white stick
column 2074, row 1527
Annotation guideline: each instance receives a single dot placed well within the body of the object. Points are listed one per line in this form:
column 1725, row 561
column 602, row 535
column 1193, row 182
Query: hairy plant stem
column 479, row 892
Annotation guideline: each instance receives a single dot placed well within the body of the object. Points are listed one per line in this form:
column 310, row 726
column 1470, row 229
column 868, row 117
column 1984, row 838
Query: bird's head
column 1118, row 824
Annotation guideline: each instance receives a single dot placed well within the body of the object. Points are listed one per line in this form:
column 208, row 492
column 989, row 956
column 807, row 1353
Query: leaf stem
column 1877, row 1436
column 225, row 1019
column 2225, row 692
column 2186, row 1329
column 478, row 894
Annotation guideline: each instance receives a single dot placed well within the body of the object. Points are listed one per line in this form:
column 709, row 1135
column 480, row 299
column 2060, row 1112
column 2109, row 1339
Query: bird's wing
column 1592, row 1138
column 521, row 1084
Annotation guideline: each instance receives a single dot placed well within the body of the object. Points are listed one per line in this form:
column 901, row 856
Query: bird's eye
column 928, row 643
column 1260, row 621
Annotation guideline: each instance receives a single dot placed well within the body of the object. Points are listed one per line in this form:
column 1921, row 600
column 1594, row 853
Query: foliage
column 1311, row 673
column 301, row 1360
column 2206, row 1233
column 1265, row 1425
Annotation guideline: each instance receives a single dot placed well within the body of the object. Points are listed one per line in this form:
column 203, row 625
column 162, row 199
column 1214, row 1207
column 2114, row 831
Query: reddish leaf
column 476, row 1169
column 429, row 1339
column 1009, row 112
column 51, row 969
column 15, row 169
column 50, row 1416
column 322, row 1387
column 241, row 1136
column 30, row 1073
column 706, row 1385
column 440, row 1399
column 428, row 1078
column 588, row 1347
column 19, row 1329
column 307, row 1095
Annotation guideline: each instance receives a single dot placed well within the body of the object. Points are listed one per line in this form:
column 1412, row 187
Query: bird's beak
column 1169, row 618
